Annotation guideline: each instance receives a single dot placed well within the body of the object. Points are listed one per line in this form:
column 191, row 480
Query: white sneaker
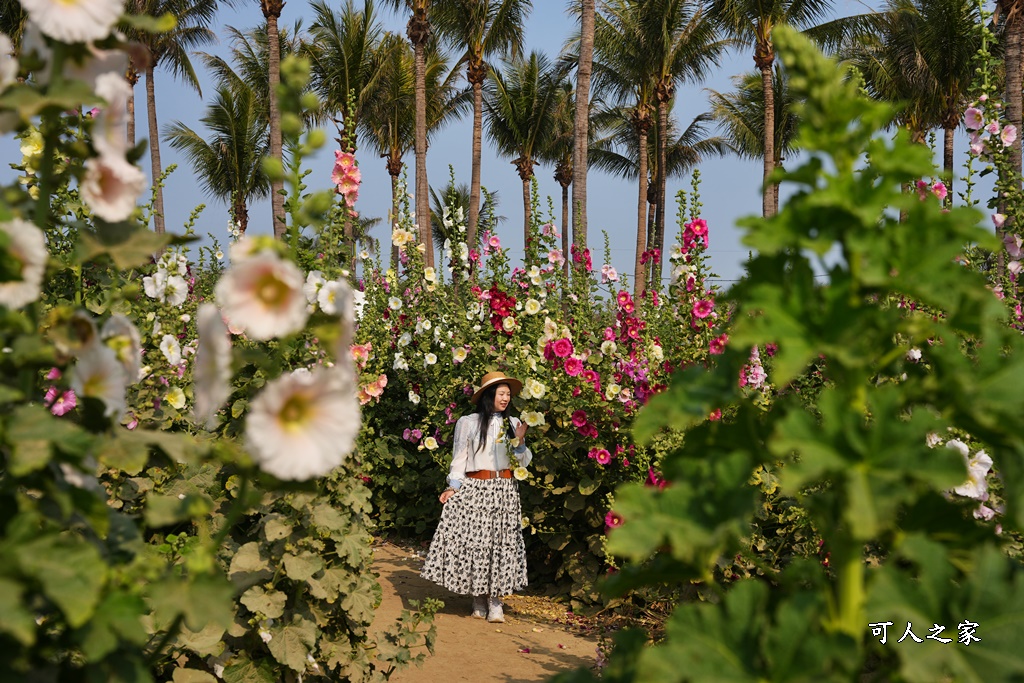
column 479, row 607
column 494, row 613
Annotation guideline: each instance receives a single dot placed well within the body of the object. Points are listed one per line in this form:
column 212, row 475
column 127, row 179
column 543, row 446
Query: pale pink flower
column 973, row 119
column 263, row 296
column 1013, row 244
column 111, row 186
column 74, row 21
column 108, row 131
column 556, row 257
column 99, row 374
column 303, row 424
column 494, row 242
column 212, row 374
column 1008, row 135
column 998, row 219
column 27, row 247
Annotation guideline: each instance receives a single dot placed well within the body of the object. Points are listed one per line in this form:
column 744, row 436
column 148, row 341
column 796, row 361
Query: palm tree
column 559, row 150
column 171, row 48
column 458, row 195
column 272, row 13
column 740, row 116
column 624, row 72
column 519, row 105
column 389, row 115
column 618, row 151
column 584, row 69
column 419, row 32
column 482, row 29
column 228, row 160
column 346, row 51
column 683, row 45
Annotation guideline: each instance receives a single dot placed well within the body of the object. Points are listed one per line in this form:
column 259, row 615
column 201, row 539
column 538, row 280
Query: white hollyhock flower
column 508, row 324
column 155, row 284
column 459, row 354
column 175, row 398
column 430, row 359
column 429, row 274
column 532, row 307
column 430, row 443
column 27, row 247
column 358, row 302
column 303, row 425
column 400, row 363
column 311, row 288
column 108, row 131
column 414, row 398
column 263, row 296
column 405, row 339
column 657, row 353
column 521, row 473
column 171, row 349
column 99, row 374
column 536, row 389
column 111, row 186
column 532, row 418
column 123, row 337
column 608, row 347
column 394, row 303
column 327, row 297
column 175, row 291
column 212, row 371
column 976, row 486
column 8, row 63
column 74, row 21
column 960, row 447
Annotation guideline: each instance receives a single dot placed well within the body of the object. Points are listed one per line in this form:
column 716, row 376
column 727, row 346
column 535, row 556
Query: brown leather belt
column 490, row 474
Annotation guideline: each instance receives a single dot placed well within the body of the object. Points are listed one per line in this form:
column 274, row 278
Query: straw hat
column 497, row 377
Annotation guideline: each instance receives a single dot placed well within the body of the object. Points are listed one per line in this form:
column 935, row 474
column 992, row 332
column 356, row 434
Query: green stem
column 849, row 568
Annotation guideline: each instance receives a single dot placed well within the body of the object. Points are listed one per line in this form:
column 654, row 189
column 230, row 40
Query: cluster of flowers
column 502, row 308
column 323, row 293
column 984, row 134
column 456, row 256
column 167, row 284
column 976, row 486
column 752, row 375
column 937, row 188
column 347, row 177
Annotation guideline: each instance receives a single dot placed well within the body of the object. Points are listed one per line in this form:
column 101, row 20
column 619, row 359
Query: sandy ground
column 524, row 649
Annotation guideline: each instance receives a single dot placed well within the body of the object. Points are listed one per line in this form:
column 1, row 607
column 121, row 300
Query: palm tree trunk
column 394, row 218
column 154, row 151
column 476, row 78
column 133, row 78
column 640, row 281
column 581, row 136
column 1013, row 62
column 419, row 33
column 565, row 227
column 768, row 202
column 276, row 144
column 526, row 208
column 659, row 239
column 947, row 163
column 241, row 212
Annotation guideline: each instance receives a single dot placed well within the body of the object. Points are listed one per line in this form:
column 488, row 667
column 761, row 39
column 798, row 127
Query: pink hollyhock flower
column 64, row 403
column 973, row 119
column 589, row 431
column 549, row 230
column 940, row 191
column 998, row 219
column 132, row 423
column 576, row 391
column 624, row 298
column 494, row 242
column 602, row 456
column 654, row 479
column 609, row 334
column 590, row 376
column 562, row 347
column 1008, row 135
column 715, row 415
column 53, row 374
column 579, row 418
column 573, row 366
column 992, row 128
column 613, row 519
column 698, row 226
column 361, row 353
column 1013, row 244
column 703, row 308
column 51, row 394
column 717, row 345
column 556, row 257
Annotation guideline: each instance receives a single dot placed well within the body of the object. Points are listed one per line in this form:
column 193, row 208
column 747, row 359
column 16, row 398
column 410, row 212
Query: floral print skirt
column 478, row 547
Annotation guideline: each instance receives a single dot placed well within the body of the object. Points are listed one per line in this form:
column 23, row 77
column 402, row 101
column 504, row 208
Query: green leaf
column 125, row 453
column 125, row 244
column 259, row 600
column 15, row 620
column 588, row 486
column 117, row 619
column 291, row 644
column 70, row 570
column 249, row 566
column 248, row 671
column 169, row 510
column 276, row 527
column 207, row 642
column 303, row 566
column 148, row 23
column 31, row 430
column 192, row 676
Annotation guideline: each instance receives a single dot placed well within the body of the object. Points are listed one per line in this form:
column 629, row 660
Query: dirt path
column 522, row 650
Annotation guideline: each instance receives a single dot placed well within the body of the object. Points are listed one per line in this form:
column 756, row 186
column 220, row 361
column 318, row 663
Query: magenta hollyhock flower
column 1008, row 135
column 64, row 404
column 717, row 345
column 589, row 431
column 623, row 298
column 416, row 435
column 53, row 374
column 579, row 418
column 609, row 334
column 562, row 347
column 602, row 456
column 939, row 190
column 494, row 242
column 654, row 479
column 613, row 519
column 590, row 376
column 973, row 119
column 573, row 366
column 698, row 226
column 703, row 308
column 715, row 415
column 51, row 395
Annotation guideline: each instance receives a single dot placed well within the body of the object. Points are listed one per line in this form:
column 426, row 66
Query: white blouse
column 467, row 456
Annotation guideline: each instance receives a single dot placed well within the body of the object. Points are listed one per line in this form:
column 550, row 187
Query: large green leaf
column 269, row 603
column 15, row 620
column 302, row 566
column 70, row 570
column 291, row 644
column 117, row 619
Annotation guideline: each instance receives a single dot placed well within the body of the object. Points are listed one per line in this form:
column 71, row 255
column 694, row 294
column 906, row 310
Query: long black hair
column 485, row 409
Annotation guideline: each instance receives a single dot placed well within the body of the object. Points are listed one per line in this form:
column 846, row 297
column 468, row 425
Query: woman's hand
column 446, row 495
column 521, row 432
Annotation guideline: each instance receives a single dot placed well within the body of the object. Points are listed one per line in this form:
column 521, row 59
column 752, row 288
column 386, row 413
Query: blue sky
column 730, row 187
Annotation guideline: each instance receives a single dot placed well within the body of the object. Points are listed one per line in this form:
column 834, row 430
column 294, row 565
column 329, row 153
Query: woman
column 478, row 547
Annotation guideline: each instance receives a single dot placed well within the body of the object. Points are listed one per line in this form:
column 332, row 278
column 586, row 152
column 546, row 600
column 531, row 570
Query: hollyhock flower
column 939, row 190
column 111, row 186
column 430, row 443
column 1014, row 267
column 61, row 403
column 556, row 257
column 1013, row 244
column 976, row 486
column 429, row 274
column 108, row 132
column 608, row 347
column 394, row 303
column 623, row 298
column 717, row 345
column 74, row 21
column 459, row 354
column 612, row 390
column 361, row 353
column 430, row 359
column 703, row 308
column 175, row 398
column 327, row 297
column 414, row 398
column 303, row 424
column 175, row 291
column 154, row 285
column 992, row 128
column 534, row 389
column 123, row 337
column 532, row 418
column 1008, row 135
column 562, row 347
column 532, row 307
column 573, row 366
column 212, row 375
column 715, row 415
column 521, row 473
column 591, row 377
column 311, row 288
column 613, row 520
column 171, row 349
column 8, row 63
column 914, row 355
column 99, row 374
column 53, row 374
column 494, row 242
column 579, row 418
column 401, row 237
column 998, row 219
column 602, row 456
column 973, row 119
column 27, row 248
column 654, row 479
column 263, row 296
column 508, row 324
